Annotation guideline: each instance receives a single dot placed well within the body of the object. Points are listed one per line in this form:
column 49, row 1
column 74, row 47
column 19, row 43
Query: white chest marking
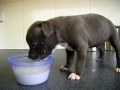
column 67, row 46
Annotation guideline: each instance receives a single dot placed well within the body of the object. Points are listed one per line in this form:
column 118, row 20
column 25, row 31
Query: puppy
column 75, row 33
column 101, row 50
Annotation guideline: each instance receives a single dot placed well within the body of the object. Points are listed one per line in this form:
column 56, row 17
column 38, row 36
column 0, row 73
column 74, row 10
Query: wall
column 20, row 14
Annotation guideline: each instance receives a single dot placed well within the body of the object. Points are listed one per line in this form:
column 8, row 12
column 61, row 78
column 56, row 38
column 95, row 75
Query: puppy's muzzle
column 32, row 56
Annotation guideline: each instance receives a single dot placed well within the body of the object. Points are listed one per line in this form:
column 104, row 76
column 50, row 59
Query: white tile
column 71, row 7
column 107, row 8
column 11, row 29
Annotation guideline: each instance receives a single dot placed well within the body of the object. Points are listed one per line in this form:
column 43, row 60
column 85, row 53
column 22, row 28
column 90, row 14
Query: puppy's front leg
column 80, row 64
column 69, row 61
column 67, row 66
column 81, row 60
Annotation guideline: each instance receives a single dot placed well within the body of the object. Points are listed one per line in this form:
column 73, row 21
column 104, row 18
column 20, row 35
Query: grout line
column 55, row 8
column 23, row 25
column 89, row 7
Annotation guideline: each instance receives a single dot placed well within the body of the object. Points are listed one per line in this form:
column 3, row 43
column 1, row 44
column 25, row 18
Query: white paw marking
column 117, row 70
column 63, row 68
column 73, row 76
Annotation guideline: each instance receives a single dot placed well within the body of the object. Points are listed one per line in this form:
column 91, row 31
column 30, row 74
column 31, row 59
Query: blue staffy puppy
column 76, row 33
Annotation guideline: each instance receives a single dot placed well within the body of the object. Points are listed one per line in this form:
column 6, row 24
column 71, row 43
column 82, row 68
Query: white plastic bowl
column 29, row 72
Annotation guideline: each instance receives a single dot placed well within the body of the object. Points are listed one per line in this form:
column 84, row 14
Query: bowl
column 29, row 72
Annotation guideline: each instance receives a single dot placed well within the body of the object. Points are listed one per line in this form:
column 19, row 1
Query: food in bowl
column 29, row 72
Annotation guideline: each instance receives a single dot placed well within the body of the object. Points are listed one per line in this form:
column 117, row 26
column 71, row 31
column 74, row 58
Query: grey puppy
column 76, row 33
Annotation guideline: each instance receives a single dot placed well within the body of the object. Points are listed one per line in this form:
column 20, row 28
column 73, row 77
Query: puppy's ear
column 47, row 28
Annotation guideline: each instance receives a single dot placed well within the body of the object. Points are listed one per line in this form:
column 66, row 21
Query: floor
column 96, row 76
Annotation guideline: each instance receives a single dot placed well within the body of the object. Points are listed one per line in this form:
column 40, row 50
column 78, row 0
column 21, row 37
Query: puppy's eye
column 33, row 45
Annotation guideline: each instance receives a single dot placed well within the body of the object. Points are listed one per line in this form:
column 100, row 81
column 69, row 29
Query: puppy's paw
column 118, row 70
column 63, row 68
column 74, row 76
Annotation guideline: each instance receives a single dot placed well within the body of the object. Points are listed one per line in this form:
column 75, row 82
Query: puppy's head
column 41, row 38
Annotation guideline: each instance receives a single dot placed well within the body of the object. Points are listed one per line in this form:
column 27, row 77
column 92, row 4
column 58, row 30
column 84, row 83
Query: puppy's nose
column 32, row 56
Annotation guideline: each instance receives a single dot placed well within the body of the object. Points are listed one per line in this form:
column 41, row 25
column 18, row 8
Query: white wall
column 11, row 30
column 20, row 14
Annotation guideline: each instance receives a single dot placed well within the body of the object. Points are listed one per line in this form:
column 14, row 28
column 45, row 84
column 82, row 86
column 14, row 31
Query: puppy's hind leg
column 115, row 42
column 101, row 50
